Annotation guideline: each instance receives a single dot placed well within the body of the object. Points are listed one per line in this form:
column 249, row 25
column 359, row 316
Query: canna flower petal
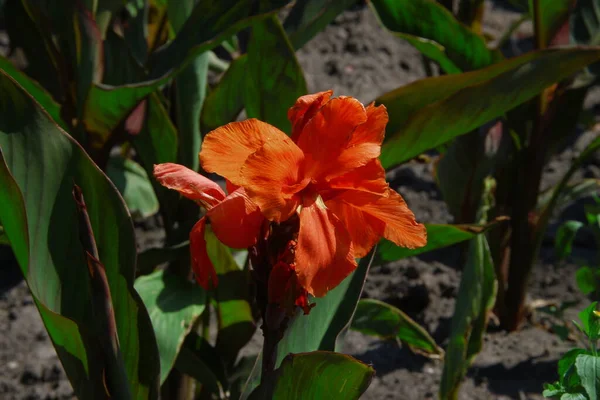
column 327, row 134
column 304, row 109
column 203, row 268
column 364, row 144
column 226, row 149
column 324, row 254
column 368, row 178
column 400, row 224
column 236, row 221
column 365, row 230
column 189, row 184
column 271, row 177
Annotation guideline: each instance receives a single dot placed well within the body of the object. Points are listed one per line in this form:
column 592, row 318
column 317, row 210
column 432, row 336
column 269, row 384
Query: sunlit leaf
column 430, row 20
column 41, row 224
column 438, row 236
column 174, row 305
column 588, row 369
column 432, row 111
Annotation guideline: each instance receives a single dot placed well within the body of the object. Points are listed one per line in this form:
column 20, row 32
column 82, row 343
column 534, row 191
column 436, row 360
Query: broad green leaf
column 476, row 295
column 174, row 305
column 588, row 369
column 235, row 321
column 153, row 257
column 322, row 328
column 107, row 105
column 190, row 91
column 40, row 165
column 564, row 238
column 433, row 51
column 321, row 375
column 430, row 20
column 432, row 111
column 587, row 280
column 550, row 17
column 274, row 78
column 135, row 187
column 309, row 17
column 226, row 101
column 218, row 20
column 566, row 368
column 34, row 89
column 573, row 396
column 438, row 236
column 374, row 317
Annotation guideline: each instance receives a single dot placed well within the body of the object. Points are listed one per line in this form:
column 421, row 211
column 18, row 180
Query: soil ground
column 356, row 57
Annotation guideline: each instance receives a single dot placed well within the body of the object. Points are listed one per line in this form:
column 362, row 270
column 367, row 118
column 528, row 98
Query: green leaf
column 174, row 305
column 587, row 280
column 564, row 238
column 569, row 193
column 235, row 321
column 322, row 328
column 218, row 21
column 274, row 78
column 552, row 390
column 39, row 165
column 226, row 101
column 36, row 91
column 476, row 296
column 433, row 51
column 190, row 91
column 566, row 368
column 153, row 257
column 584, row 25
column 463, row 102
column 135, row 187
column 590, row 322
column 546, row 213
column 438, row 236
column 588, row 369
column 321, row 375
column 309, row 17
column 430, row 20
column 374, row 317
column 107, row 105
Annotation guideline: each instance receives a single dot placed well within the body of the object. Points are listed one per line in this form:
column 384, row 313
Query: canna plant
column 115, row 96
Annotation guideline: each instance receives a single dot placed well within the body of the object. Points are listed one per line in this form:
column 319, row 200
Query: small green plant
column 579, row 368
column 588, row 274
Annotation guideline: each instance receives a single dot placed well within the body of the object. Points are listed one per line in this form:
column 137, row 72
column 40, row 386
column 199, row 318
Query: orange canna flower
column 327, row 175
column 235, row 219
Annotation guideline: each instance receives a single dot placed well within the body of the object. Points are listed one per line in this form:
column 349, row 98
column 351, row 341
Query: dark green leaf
column 584, row 25
column 551, row 16
column 590, row 322
column 321, row 375
column 190, row 91
column 374, row 317
column 588, row 369
column 430, row 20
column 274, row 78
column 587, row 280
column 463, row 102
column 321, row 329
column 569, row 193
column 432, row 50
column 226, row 101
column 309, row 17
column 153, row 257
column 236, row 323
column 476, row 296
column 41, row 224
column 218, row 20
column 135, row 187
column 564, row 238
column 566, row 368
column 174, row 305
column 438, row 236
